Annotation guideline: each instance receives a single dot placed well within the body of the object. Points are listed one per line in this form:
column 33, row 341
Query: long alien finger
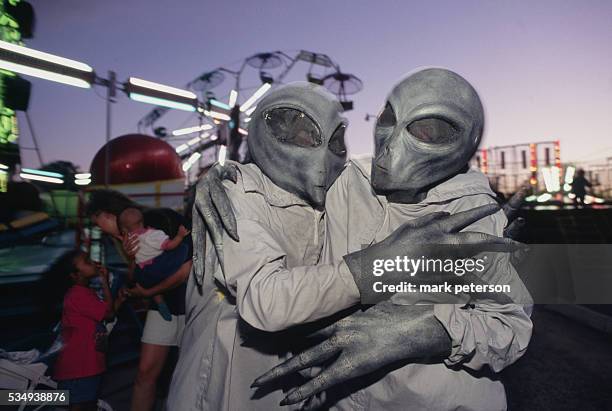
column 229, row 172
column 223, row 206
column 427, row 219
column 512, row 206
column 463, row 219
column 326, row 379
column 308, row 358
column 486, row 242
column 213, row 223
column 513, row 230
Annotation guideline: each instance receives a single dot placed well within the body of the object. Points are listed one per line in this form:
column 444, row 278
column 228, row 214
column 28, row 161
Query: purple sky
column 543, row 69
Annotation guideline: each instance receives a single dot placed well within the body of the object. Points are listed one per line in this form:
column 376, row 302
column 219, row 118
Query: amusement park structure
column 229, row 95
column 538, row 166
column 510, row 167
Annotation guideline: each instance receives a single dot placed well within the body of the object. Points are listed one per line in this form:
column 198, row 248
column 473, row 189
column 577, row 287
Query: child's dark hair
column 64, row 264
column 55, row 282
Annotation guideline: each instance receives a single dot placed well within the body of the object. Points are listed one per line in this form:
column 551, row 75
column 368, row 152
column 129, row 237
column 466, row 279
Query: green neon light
column 41, row 172
column 9, row 31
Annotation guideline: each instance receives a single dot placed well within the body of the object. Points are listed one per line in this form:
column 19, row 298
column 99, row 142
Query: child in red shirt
column 82, row 360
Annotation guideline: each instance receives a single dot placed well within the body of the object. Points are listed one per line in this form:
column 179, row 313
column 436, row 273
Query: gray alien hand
column 213, row 203
column 436, row 234
column 364, row 342
column 212, row 213
column 511, row 207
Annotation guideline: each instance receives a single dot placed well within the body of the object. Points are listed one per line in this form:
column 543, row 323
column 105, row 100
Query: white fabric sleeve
column 486, row 333
column 271, row 297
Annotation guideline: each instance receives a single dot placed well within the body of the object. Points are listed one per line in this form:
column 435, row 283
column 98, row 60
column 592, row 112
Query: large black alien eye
column 433, row 131
column 336, row 142
column 292, row 126
column 387, row 117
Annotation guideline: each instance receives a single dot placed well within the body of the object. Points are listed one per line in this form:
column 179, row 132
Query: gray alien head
column 430, row 127
column 296, row 137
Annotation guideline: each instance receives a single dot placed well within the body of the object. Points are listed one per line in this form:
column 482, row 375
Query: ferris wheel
column 230, row 94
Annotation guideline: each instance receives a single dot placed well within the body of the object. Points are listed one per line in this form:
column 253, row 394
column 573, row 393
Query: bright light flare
column 45, row 179
column 194, row 141
column 191, row 161
column 219, row 104
column 83, row 74
column 222, row 155
column 181, row 148
column 216, row 115
column 138, row 82
column 551, row 179
column 569, row 174
column 189, row 130
column 258, row 93
column 42, row 173
column 544, row 197
column 161, row 102
column 233, row 97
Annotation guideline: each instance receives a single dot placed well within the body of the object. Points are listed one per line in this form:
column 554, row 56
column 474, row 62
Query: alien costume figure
column 297, row 141
column 430, row 127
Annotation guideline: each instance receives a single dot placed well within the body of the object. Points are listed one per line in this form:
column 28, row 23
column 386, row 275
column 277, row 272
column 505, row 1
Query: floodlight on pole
column 233, row 97
column 4, row 167
column 159, row 94
column 243, row 131
column 258, row 93
column 47, row 66
column 250, row 111
column 82, row 176
column 189, row 130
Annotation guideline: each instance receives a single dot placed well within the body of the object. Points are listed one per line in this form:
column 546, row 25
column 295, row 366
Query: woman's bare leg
column 152, row 360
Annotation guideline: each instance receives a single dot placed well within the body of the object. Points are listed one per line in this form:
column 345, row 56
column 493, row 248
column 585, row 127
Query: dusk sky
column 543, row 69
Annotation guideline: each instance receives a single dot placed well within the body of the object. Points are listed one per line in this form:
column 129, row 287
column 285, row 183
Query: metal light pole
column 111, row 87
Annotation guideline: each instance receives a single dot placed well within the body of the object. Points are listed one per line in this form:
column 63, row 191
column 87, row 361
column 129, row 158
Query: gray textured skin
column 405, row 167
column 307, row 172
column 364, row 342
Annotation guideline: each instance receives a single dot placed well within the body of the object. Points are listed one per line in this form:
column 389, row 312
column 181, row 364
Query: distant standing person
column 579, row 186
